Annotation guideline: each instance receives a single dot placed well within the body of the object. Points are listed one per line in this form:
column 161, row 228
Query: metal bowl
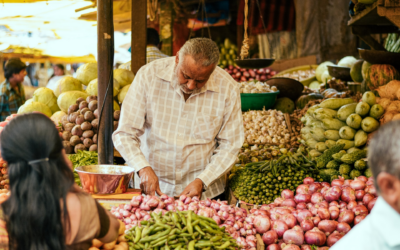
column 105, row 179
column 342, row 73
column 380, row 57
column 254, row 63
column 287, row 87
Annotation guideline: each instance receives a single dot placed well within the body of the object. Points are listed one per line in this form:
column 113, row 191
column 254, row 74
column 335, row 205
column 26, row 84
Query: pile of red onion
column 235, row 219
column 319, row 214
column 244, row 75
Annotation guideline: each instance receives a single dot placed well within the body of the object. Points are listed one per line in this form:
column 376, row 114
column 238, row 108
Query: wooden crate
column 260, row 242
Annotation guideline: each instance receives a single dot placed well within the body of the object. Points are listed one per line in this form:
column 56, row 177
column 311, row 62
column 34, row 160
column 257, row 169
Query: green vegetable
column 315, row 153
column 320, row 146
column 354, row 121
column 333, row 164
column 318, row 134
column 311, row 143
column 353, row 149
column 360, row 138
column 346, row 111
column 344, row 169
column 330, row 143
column 354, row 173
column 333, row 124
column 335, row 103
column 327, row 156
column 347, row 133
column 327, row 173
column 323, row 113
column 353, row 157
column 332, row 135
column 347, row 144
column 338, row 155
column 82, row 158
column 368, row 173
column 360, row 165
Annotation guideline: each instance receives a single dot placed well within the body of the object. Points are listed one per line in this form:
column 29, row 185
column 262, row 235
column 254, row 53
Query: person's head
column 40, row 178
column 384, row 161
column 15, row 70
column 153, row 38
column 59, row 70
column 195, row 62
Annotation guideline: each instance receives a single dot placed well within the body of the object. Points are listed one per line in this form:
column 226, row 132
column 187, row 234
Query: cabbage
column 46, row 96
column 116, row 106
column 126, row 66
column 123, row 76
column 34, row 107
column 321, row 69
column 66, row 99
column 347, row 61
column 67, row 83
column 92, row 87
column 122, row 93
column 28, row 101
column 56, row 117
column 86, row 73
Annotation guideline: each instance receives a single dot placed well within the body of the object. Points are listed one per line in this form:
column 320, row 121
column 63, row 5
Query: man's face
column 389, row 187
column 191, row 76
column 20, row 76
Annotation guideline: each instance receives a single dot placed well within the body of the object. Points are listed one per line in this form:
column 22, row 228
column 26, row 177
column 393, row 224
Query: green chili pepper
column 191, row 245
column 138, row 234
column 223, row 246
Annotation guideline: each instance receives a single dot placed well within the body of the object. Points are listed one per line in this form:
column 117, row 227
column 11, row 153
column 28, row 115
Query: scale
column 244, row 61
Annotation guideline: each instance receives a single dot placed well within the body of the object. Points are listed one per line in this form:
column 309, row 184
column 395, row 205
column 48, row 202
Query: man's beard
column 183, row 87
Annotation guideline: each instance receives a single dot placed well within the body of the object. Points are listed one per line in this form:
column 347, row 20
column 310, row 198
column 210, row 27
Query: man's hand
column 149, row 182
column 195, row 188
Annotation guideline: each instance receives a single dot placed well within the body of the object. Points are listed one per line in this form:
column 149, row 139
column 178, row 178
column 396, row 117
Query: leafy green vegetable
column 83, row 158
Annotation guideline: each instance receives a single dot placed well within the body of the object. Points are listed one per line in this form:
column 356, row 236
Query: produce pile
column 179, row 230
column 82, row 158
column 299, row 75
column 79, row 127
column 319, row 214
column 340, row 121
column 228, row 54
column 254, row 87
column 244, row 75
column 392, row 43
column 389, row 100
column 232, row 218
column 262, row 182
column 121, row 243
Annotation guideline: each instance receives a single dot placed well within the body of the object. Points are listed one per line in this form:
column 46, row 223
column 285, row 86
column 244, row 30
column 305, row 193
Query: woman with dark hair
column 59, row 72
column 46, row 210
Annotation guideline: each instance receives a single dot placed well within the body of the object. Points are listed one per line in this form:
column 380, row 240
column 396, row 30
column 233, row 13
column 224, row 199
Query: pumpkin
column 380, row 74
column 304, row 99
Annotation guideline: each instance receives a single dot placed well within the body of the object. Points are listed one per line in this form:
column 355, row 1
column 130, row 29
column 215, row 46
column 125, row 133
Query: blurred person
column 59, row 72
column 381, row 228
column 46, row 209
column 12, row 95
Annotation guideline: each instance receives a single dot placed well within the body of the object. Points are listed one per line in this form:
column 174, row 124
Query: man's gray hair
column 384, row 151
column 203, row 50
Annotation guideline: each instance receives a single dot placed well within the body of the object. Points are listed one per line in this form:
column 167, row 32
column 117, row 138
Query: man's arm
column 230, row 140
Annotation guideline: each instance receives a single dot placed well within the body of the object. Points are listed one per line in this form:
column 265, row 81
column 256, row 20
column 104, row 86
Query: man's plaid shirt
column 10, row 99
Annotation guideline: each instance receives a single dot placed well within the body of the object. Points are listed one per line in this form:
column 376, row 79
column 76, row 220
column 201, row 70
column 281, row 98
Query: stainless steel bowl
column 105, row 179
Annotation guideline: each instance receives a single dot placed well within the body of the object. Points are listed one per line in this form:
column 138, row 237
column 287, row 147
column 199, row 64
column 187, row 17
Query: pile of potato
column 119, row 244
column 79, row 127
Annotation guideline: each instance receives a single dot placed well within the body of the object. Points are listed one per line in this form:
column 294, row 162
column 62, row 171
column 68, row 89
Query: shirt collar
column 167, row 74
column 387, row 221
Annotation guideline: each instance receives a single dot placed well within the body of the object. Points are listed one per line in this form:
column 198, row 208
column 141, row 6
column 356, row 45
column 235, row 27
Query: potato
column 115, row 125
column 69, row 126
column 77, row 130
column 64, row 120
column 93, row 148
column 73, row 108
column 95, row 123
column 83, row 105
column 122, row 246
column 68, row 148
column 79, row 100
column 88, row 134
column 122, row 238
column 121, row 227
column 117, row 113
column 97, row 243
column 96, row 113
column 93, row 105
column 89, row 116
column 66, row 135
column 94, row 139
column 91, row 98
column 72, row 117
column 86, row 126
column 75, row 140
column 79, row 119
column 110, row 245
column 88, row 142
column 79, row 147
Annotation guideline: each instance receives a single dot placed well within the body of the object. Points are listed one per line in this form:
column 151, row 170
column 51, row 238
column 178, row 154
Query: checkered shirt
column 153, row 53
column 10, row 99
column 181, row 141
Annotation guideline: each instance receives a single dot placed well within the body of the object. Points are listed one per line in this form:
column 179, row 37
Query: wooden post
column 139, row 34
column 105, row 62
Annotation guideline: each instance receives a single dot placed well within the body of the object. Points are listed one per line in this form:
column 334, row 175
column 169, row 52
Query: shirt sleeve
column 131, row 124
column 230, row 140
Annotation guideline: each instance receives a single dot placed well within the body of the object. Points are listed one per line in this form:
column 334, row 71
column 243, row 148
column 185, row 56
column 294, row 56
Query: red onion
column 323, row 213
column 316, row 198
column 302, row 198
column 278, row 201
column 118, row 215
column 128, row 207
column 323, row 204
column 333, row 238
column 289, row 203
column 333, row 194
column 337, row 183
column 243, row 232
column 303, row 214
column 251, row 244
column 182, row 197
column 145, row 207
column 367, row 198
column 126, row 214
column 351, row 205
column 346, row 216
column 360, row 210
column 217, row 219
column 147, row 217
column 248, row 226
column 215, row 205
column 348, row 195
column 308, row 180
column 307, row 225
column 315, row 237
column 316, row 220
column 302, row 189
column 270, row 237
column 357, row 184
column 371, row 204
column 251, row 238
column 371, row 190
column 171, row 207
column 327, row 226
column 274, row 247
column 249, row 232
column 168, row 201
column 347, row 182
column 127, row 221
column 260, row 212
column 360, row 195
column 282, row 210
column 138, row 214
column 287, row 194
column 324, row 190
column 325, row 184
column 314, row 188
column 279, row 227
column 362, row 178
column 187, row 200
column 295, row 212
column 275, row 216
column 309, row 205
column 133, row 217
column 290, row 247
column 262, row 224
column 301, row 205
column 358, row 219
column 135, row 203
column 250, row 218
column 334, row 203
column 289, row 219
column 306, row 247
column 294, row 236
column 343, row 227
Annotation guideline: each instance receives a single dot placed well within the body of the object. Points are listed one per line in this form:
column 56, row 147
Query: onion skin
column 316, row 198
column 303, row 214
column 371, row 204
column 294, row 236
column 348, row 195
column 323, row 204
column 333, row 194
column 262, row 224
column 327, row 226
column 289, row 203
column 302, row 189
column 351, row 205
column 371, row 190
column 325, row 184
column 347, row 182
column 358, row 219
column 323, row 213
column 367, row 198
column 301, row 205
column 287, row 194
column 308, row 180
column 360, row 210
column 343, row 227
column 360, row 195
column 290, row 220
column 362, row 178
column 270, row 237
column 334, row 203
column 315, row 237
column 316, row 220
column 291, row 247
column 314, row 188
column 307, row 225
column 357, row 185
column 334, row 212
column 275, row 216
column 337, row 183
column 302, row 198
column 274, row 247
column 305, row 247
column 346, row 216
column 333, row 238
column 278, row 201
column 279, row 227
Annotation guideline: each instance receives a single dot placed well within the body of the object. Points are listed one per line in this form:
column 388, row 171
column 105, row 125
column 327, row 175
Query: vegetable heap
column 319, row 214
column 83, row 158
column 179, row 230
column 392, row 43
column 262, row 182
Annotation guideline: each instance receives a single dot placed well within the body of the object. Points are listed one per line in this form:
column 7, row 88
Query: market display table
column 110, row 200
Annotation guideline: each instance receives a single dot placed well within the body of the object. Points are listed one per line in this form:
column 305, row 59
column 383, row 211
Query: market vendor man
column 181, row 124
